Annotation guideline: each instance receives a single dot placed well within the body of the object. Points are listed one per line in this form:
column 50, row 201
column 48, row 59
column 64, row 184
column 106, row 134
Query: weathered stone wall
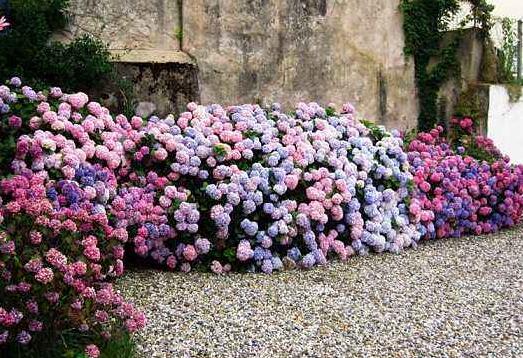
column 127, row 24
column 272, row 50
column 302, row 50
column 470, row 55
column 167, row 86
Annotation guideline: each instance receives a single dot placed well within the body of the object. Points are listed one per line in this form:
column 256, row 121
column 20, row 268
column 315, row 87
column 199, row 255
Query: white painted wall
column 508, row 8
column 505, row 123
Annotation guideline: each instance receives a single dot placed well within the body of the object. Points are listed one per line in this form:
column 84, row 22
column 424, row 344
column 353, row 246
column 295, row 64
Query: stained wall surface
column 271, row 50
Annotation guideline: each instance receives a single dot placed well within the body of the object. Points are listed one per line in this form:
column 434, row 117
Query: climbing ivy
column 425, row 22
column 508, row 51
column 481, row 16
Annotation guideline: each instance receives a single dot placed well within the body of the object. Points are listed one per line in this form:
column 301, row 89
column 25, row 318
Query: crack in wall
column 179, row 3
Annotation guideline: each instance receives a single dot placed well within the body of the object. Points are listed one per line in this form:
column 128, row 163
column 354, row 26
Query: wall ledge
column 151, row 56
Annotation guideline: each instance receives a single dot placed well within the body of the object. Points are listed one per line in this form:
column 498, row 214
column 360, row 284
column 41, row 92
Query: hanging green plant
column 425, row 23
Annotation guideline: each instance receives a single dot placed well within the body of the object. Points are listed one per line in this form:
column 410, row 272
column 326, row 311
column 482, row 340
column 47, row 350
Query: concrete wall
column 470, row 55
column 127, row 24
column 303, row 50
column 505, row 121
column 271, row 50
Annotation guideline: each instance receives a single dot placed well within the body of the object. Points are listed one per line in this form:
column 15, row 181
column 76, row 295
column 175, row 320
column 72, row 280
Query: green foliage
column 7, row 148
column 220, row 150
column 252, row 134
column 469, row 142
column 425, row 22
column 27, row 49
column 377, row 132
column 178, row 33
column 469, row 106
column 79, row 65
column 476, row 151
column 330, row 111
column 480, row 16
column 508, row 51
column 409, row 136
column 229, row 254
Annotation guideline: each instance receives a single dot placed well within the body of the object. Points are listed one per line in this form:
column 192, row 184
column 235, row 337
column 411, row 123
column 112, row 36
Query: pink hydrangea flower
column 92, row 351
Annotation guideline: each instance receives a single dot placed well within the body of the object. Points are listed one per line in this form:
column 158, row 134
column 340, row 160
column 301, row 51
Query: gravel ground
column 448, row 298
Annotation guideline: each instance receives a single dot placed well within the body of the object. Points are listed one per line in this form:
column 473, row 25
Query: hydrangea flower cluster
column 460, row 195
column 58, row 246
column 220, row 189
column 263, row 189
column 56, row 251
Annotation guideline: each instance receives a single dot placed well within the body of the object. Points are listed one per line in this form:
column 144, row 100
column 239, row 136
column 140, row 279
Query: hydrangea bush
column 236, row 188
column 252, row 189
column 56, row 252
column 58, row 245
column 463, row 138
column 458, row 194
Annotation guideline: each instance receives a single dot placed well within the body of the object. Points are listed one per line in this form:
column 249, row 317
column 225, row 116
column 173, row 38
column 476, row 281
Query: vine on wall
column 507, row 53
column 425, row 23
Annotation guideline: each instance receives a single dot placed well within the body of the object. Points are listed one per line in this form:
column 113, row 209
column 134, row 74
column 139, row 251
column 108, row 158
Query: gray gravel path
column 449, row 298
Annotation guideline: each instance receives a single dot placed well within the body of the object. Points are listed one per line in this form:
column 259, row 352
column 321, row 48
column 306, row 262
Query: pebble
column 448, row 298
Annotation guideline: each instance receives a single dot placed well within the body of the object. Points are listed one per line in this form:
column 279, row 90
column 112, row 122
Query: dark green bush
column 26, row 49
column 81, row 65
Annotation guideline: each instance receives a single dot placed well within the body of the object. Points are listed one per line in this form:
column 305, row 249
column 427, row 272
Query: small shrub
column 83, row 64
